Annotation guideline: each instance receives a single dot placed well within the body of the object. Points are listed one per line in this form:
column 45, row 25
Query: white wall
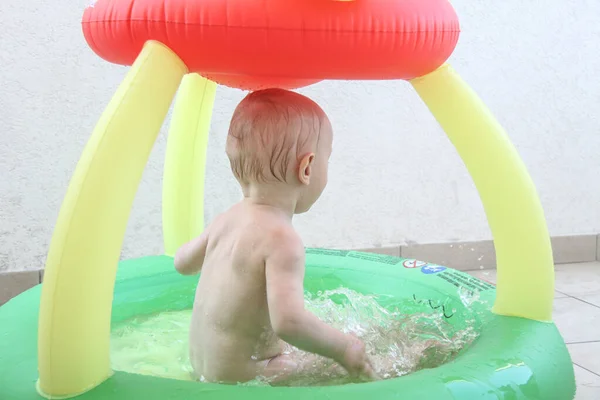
column 395, row 178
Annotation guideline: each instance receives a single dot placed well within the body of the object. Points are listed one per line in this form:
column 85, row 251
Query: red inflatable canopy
column 252, row 44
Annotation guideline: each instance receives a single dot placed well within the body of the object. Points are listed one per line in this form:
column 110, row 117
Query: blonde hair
column 269, row 131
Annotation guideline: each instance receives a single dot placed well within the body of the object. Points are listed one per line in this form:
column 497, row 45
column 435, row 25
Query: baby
column 250, row 298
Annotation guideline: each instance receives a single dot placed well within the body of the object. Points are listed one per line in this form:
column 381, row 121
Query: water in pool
column 402, row 337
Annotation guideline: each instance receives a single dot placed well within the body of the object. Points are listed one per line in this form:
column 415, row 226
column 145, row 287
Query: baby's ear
column 305, row 168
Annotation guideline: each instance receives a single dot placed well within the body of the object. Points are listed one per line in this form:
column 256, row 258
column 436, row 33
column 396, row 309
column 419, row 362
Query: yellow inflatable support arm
column 525, row 285
column 185, row 162
column 74, row 324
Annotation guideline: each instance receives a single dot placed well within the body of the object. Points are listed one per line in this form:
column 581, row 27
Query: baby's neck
column 281, row 198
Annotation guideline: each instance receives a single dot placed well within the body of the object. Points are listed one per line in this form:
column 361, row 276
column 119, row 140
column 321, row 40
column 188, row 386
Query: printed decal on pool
column 430, row 303
column 380, row 258
column 411, row 263
column 327, row 252
column 462, row 280
column 432, row 269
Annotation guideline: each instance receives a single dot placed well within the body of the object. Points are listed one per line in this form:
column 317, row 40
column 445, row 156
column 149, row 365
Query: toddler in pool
column 250, row 298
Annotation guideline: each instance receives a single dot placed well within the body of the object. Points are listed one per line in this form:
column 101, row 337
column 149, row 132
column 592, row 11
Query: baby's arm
column 297, row 326
column 190, row 257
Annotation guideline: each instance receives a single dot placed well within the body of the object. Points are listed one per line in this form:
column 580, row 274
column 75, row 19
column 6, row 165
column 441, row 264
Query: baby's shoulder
column 283, row 238
column 265, row 231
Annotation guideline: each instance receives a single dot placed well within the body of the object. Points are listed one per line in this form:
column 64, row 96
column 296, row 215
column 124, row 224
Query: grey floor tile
column 588, row 384
column 577, row 280
column 586, row 355
column 577, row 321
column 593, row 299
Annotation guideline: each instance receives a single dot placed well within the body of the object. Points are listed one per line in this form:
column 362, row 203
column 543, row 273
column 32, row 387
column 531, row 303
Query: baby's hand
column 356, row 361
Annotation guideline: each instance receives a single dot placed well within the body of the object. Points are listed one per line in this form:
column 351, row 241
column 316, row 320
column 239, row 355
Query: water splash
column 402, row 337
column 398, row 342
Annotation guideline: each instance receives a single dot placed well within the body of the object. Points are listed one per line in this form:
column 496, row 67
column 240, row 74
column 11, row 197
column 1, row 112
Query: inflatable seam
column 270, row 29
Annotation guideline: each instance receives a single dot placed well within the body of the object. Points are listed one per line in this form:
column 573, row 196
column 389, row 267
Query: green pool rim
column 514, row 358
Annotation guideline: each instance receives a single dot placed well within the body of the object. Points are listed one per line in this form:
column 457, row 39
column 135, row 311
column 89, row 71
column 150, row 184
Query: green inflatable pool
column 514, row 358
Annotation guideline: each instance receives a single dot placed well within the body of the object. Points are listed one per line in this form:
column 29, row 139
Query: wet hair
column 269, row 131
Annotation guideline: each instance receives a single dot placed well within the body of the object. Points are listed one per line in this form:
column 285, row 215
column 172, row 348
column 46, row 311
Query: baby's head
column 281, row 139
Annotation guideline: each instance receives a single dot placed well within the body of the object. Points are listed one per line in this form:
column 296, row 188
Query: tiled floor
column 577, row 315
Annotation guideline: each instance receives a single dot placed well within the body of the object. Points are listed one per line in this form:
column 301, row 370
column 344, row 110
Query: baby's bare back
column 231, row 333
